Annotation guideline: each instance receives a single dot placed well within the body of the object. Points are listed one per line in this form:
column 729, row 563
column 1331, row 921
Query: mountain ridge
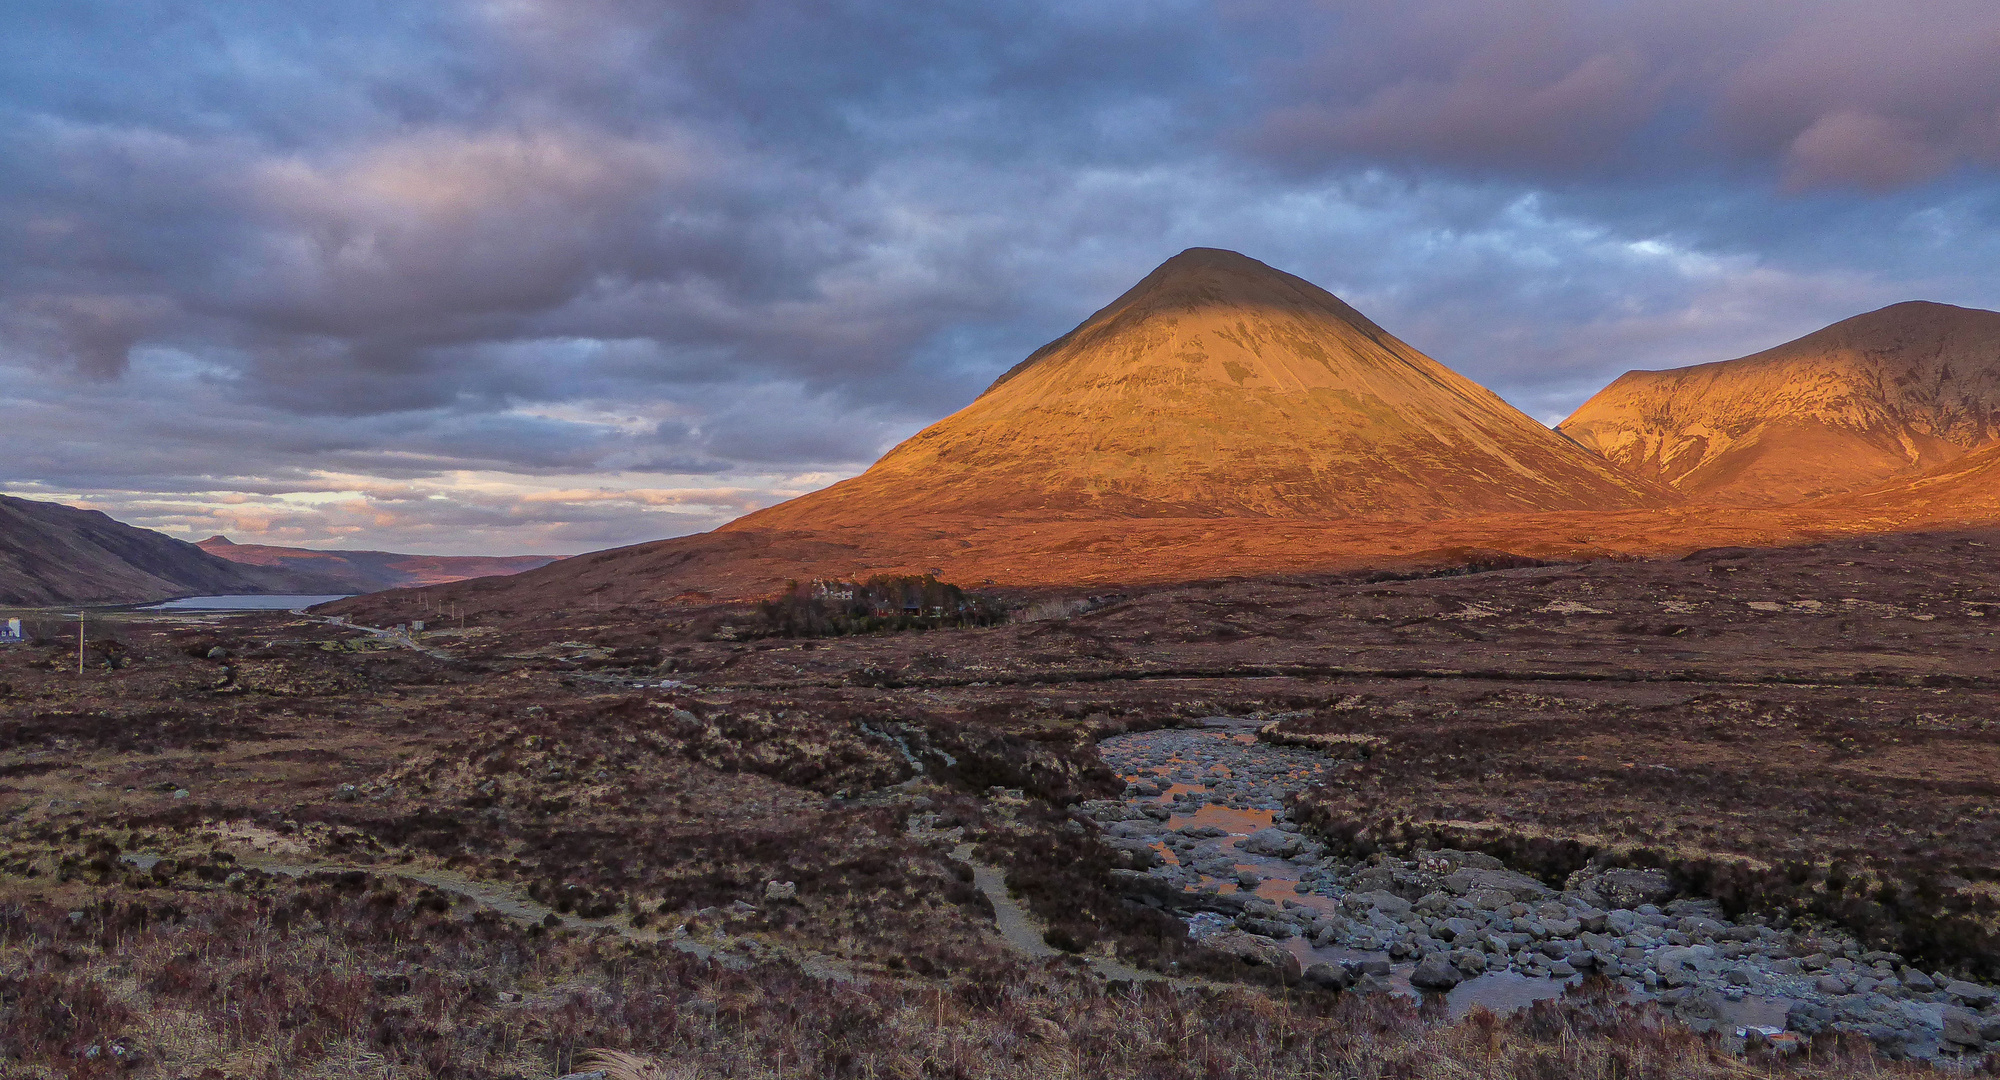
column 1886, row 394
column 372, row 571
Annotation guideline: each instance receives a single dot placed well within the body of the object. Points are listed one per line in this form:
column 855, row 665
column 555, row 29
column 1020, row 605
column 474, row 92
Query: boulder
column 1435, row 972
column 1471, row 879
column 781, row 890
column 1278, row 928
column 1330, row 976
column 1962, row 1027
column 1622, row 888
column 1386, row 902
column 1971, row 994
column 1454, row 929
column 1275, row 843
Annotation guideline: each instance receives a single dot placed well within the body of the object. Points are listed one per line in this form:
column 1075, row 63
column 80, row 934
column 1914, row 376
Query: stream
column 1203, row 822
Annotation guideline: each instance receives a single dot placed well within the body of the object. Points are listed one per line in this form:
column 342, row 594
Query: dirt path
column 1024, row 932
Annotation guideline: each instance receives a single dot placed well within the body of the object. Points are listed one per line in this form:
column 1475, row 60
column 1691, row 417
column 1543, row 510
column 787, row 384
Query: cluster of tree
column 881, row 603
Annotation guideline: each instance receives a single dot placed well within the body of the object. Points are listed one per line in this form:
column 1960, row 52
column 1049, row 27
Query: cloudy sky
column 476, row 276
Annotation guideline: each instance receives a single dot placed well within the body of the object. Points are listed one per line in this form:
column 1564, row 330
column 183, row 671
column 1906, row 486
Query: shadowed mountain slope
column 56, row 554
column 368, row 571
column 1220, row 387
column 1883, row 395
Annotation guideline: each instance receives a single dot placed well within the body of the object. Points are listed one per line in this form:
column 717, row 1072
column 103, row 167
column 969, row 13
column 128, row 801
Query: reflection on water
column 244, row 603
column 1278, row 880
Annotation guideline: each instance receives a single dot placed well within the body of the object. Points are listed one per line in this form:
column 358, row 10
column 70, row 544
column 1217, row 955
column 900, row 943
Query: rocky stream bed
column 1204, row 821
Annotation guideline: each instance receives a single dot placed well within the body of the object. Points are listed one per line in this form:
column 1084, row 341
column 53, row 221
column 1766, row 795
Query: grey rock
column 1469, row 880
column 1808, row 1019
column 1971, row 994
column 1273, row 842
column 1622, row 888
column 1331, row 976
column 1962, row 1027
column 1371, row 983
column 781, row 890
column 1454, row 929
column 1386, row 902
column 1832, row 984
column 1700, row 1005
column 1470, row 961
column 1435, row 972
column 1621, row 922
column 1266, row 927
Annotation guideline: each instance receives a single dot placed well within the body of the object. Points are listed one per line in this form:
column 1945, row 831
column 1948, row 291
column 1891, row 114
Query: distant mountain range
column 56, row 554
column 371, row 571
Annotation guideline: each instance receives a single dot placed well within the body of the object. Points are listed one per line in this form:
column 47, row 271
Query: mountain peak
column 1222, row 387
column 218, row 540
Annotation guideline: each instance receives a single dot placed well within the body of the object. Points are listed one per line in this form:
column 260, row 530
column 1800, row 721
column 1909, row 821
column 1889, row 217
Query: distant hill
column 1870, row 399
column 56, row 554
column 372, row 571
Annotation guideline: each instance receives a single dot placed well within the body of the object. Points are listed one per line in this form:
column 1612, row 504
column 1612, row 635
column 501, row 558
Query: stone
column 1807, row 1018
column 1386, row 902
column 1435, row 972
column 1472, row 879
column 1916, row 980
column 1832, row 984
column 1623, row 888
column 1971, row 994
column 1266, row 927
column 1331, row 976
column 1962, row 1027
column 781, row 890
column 1621, row 922
column 1273, row 842
column 1470, row 961
column 218, row 653
column 1454, row 929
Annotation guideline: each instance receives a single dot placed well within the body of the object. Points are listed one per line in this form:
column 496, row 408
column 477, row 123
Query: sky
column 548, row 276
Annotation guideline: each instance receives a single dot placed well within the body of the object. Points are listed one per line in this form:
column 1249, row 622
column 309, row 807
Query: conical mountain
column 1220, row 387
column 1883, row 395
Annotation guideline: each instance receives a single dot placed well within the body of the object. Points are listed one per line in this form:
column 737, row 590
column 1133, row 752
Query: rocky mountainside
column 370, row 571
column 1963, row 491
column 56, row 554
column 1219, row 387
column 1880, row 396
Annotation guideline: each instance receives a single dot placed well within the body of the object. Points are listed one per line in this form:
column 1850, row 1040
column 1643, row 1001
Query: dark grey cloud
column 555, row 274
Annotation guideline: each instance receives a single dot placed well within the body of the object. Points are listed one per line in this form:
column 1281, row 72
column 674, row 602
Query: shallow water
column 1499, row 991
column 244, row 603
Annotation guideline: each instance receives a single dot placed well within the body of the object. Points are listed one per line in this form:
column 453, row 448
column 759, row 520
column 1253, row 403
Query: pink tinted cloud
column 1833, row 93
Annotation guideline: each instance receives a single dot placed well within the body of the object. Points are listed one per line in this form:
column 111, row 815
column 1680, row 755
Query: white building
column 12, row 631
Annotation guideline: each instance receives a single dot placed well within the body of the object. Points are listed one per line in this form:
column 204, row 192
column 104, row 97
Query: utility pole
column 79, row 644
